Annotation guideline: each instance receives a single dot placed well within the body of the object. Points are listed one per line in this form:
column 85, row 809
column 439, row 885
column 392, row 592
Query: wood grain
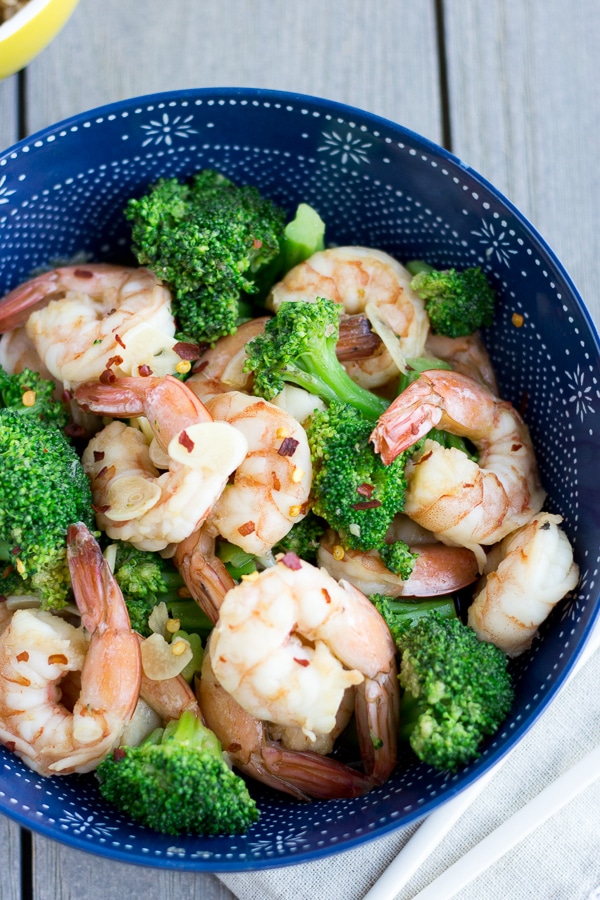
column 380, row 56
column 525, row 107
column 8, row 112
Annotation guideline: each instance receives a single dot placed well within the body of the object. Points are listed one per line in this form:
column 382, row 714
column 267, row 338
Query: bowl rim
column 481, row 766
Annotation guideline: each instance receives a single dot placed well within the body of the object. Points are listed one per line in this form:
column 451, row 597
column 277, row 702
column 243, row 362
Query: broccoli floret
column 457, row 303
column 178, row 782
column 206, row 239
column 145, row 579
column 28, row 394
column 303, row 538
column 397, row 614
column 43, row 490
column 298, row 346
column 398, row 558
column 457, row 690
column 356, row 494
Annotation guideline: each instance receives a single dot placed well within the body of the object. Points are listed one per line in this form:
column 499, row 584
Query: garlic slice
column 130, row 496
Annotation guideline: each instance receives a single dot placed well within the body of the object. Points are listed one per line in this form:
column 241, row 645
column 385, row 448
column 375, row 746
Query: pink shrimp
column 459, row 500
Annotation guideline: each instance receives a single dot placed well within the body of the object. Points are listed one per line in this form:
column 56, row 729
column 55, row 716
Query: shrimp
column 253, row 749
column 438, row 569
column 291, row 641
column 369, row 281
column 467, row 355
column 205, row 576
column 270, row 488
column 221, row 368
column 133, row 501
column 87, row 320
column 529, row 572
column 462, row 502
column 38, row 649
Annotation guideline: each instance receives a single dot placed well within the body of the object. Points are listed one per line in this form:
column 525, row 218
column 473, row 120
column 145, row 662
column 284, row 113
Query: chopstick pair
column 491, row 848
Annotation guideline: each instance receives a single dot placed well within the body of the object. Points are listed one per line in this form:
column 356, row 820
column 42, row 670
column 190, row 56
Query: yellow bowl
column 26, row 33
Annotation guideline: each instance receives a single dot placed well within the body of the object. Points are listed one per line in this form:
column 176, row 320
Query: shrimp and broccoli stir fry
column 264, row 515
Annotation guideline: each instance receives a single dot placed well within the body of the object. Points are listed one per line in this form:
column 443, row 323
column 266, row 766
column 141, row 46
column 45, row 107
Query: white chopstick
column 515, row 829
column 437, row 825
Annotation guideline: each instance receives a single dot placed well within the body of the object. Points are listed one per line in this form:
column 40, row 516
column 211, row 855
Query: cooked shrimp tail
column 38, row 649
column 205, row 576
column 461, row 501
column 302, row 774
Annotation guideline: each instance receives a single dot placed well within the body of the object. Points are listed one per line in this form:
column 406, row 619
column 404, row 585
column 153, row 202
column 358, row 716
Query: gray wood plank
column 8, row 112
column 62, row 874
column 380, row 56
column 525, row 107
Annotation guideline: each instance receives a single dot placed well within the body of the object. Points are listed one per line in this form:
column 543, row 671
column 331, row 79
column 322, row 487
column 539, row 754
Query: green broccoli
column 303, row 538
column 398, row 558
column 356, row 494
column 457, row 690
column 400, row 613
column 28, row 394
column 146, row 579
column 298, row 346
column 457, row 303
column 206, row 239
column 178, row 782
column 43, row 490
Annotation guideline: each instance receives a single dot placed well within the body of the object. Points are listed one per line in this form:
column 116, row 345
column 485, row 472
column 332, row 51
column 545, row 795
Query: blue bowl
column 62, row 191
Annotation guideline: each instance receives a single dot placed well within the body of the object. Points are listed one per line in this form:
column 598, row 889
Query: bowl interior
column 377, row 184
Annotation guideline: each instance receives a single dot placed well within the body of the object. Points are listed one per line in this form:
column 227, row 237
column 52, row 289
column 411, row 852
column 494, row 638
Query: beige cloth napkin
column 559, row 861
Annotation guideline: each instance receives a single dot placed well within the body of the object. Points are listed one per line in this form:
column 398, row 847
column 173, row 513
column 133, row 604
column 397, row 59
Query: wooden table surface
column 510, row 86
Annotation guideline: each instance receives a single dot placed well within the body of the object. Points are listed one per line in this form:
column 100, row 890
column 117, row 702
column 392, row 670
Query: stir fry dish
column 244, row 484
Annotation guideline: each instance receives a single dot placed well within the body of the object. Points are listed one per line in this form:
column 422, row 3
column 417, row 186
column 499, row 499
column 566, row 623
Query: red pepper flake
column 3, row 598
column 288, row 446
column 10, row 745
column 144, row 371
column 83, row 273
column 291, row 560
column 367, row 504
column 257, row 244
column 247, row 528
column 200, row 366
column 516, row 447
column 186, row 350
column 23, row 656
column 66, row 396
column 119, row 754
column 365, row 490
column 326, row 594
column 276, row 481
column 107, row 377
column 16, row 551
column 112, row 311
column 102, row 471
column 114, row 361
column 98, row 455
column 120, row 341
column 186, row 441
column 100, row 509
column 302, row 662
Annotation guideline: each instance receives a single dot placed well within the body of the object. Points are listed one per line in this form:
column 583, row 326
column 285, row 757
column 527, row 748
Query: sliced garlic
column 215, row 447
column 130, row 496
column 161, row 660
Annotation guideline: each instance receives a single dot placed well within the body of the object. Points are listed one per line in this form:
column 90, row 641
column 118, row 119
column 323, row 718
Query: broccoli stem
column 191, row 618
column 410, row 611
column 302, row 237
column 415, row 266
column 324, row 375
